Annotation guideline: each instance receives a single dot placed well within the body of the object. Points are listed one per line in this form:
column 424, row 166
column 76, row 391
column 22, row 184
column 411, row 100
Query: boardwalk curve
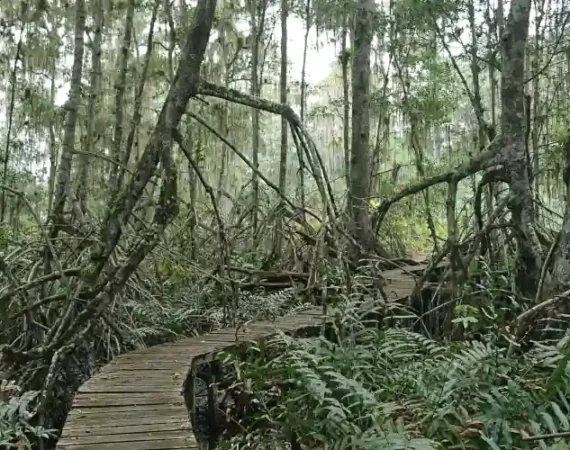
column 137, row 401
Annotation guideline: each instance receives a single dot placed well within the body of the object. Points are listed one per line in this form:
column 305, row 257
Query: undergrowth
column 15, row 417
column 393, row 389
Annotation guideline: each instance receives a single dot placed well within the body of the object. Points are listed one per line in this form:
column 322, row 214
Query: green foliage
column 14, row 420
column 190, row 302
column 6, row 236
column 396, row 389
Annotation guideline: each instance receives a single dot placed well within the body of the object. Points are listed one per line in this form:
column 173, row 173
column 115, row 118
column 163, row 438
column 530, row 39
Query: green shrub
column 15, row 418
column 395, row 389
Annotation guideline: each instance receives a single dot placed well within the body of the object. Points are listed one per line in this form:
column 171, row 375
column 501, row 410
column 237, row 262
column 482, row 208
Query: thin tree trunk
column 284, row 124
column 193, row 185
column 380, row 134
column 536, row 108
column 71, row 108
column 301, row 172
column 223, row 112
column 52, row 143
column 120, row 87
column 345, row 58
column 139, row 92
column 13, row 82
column 92, row 106
column 360, row 158
column 257, row 26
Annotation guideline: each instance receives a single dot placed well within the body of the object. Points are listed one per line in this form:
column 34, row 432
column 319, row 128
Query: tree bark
column 257, row 28
column 345, row 59
column 513, row 128
column 92, row 105
column 360, row 157
column 72, row 108
column 120, row 87
column 184, row 86
column 284, row 124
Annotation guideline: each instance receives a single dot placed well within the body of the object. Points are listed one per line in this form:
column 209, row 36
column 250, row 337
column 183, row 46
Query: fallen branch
column 540, row 437
column 263, row 274
column 531, row 312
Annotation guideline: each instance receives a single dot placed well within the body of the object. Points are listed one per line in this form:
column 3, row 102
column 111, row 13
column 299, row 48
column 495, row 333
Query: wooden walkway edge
column 137, row 401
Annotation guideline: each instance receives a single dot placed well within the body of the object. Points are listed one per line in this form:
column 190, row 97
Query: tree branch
column 488, row 158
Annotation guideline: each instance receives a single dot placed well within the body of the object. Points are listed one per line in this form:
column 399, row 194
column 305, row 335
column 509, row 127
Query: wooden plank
column 141, row 375
column 129, row 388
column 129, row 437
column 170, row 347
column 130, row 426
column 157, row 357
column 147, row 365
column 112, row 399
column 113, row 421
column 122, row 379
column 165, row 444
column 110, row 420
column 114, row 412
column 132, row 433
column 161, row 363
column 227, row 339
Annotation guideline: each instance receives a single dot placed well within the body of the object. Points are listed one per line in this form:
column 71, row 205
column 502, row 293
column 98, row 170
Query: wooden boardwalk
column 137, row 402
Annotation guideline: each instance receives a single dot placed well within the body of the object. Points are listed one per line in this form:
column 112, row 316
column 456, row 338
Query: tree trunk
column 257, row 26
column 184, row 86
column 13, row 82
column 345, row 58
column 120, row 87
column 561, row 270
column 513, row 126
column 72, row 109
column 301, row 172
column 360, row 157
column 92, row 106
column 284, row 125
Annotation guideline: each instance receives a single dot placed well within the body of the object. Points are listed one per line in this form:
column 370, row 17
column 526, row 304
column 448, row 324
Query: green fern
column 396, row 389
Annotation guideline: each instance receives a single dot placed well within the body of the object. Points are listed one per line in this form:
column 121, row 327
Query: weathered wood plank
column 128, row 388
column 135, row 425
column 163, row 374
column 166, row 444
column 144, row 436
column 112, row 399
column 113, row 419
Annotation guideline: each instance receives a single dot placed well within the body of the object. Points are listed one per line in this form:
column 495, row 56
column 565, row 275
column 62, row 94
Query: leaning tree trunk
column 75, row 322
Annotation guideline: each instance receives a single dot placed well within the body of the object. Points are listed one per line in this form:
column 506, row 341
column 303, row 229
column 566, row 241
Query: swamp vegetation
column 171, row 167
